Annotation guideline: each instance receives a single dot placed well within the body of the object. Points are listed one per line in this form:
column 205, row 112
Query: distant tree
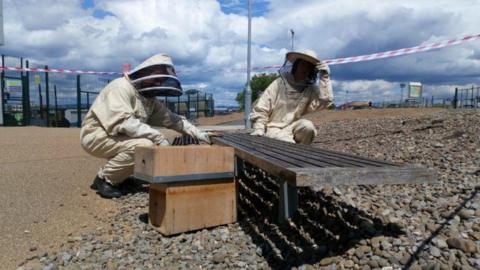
column 258, row 84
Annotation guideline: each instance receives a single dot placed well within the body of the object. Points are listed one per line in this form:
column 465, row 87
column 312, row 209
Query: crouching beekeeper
column 120, row 119
column 277, row 112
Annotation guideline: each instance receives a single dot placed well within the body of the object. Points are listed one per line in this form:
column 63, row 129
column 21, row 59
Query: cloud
column 207, row 39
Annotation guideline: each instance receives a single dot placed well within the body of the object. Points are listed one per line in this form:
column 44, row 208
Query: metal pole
column 2, row 94
column 402, row 85
column 88, row 100
column 22, row 79
column 293, row 36
column 188, row 106
column 401, row 98
column 47, row 97
column 461, row 98
column 79, row 101
column 205, row 105
column 212, row 105
column 56, row 103
column 196, row 108
column 477, row 98
column 41, row 100
column 27, row 110
column 471, row 103
column 455, row 98
column 248, row 92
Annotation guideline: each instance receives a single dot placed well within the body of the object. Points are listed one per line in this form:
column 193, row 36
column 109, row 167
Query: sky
column 207, row 40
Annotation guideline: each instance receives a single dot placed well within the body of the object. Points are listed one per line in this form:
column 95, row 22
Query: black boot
column 105, row 189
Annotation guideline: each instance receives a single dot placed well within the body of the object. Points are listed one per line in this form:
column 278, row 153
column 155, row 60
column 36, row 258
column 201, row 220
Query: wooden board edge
column 365, row 176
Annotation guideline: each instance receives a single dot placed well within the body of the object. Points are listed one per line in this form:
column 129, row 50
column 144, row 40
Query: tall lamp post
column 248, row 91
column 293, row 35
column 402, row 85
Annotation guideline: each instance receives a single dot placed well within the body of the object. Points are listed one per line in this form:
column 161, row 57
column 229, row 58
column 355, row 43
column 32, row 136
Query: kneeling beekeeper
column 120, row 118
column 277, row 112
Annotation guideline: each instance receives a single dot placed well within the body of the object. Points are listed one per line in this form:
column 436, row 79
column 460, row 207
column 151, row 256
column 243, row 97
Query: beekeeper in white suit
column 120, row 119
column 277, row 112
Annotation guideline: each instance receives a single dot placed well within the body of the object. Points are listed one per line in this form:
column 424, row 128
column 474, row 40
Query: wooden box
column 191, row 187
column 186, row 206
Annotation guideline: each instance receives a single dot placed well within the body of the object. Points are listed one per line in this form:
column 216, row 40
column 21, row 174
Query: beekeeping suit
column 277, row 112
column 120, row 119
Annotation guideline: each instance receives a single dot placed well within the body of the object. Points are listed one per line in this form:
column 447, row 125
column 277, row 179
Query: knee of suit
column 306, row 125
column 131, row 144
column 144, row 142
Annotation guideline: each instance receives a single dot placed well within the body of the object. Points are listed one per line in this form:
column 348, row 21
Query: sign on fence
column 37, row 79
column 13, row 87
column 414, row 90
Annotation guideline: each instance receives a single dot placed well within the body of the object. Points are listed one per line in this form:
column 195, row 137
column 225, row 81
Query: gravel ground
column 363, row 227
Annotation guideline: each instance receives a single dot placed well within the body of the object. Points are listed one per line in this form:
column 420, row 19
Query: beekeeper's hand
column 204, row 137
column 258, row 132
column 323, row 68
column 192, row 131
column 161, row 141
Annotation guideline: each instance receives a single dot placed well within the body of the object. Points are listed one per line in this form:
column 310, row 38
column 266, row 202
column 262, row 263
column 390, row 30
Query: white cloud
column 209, row 46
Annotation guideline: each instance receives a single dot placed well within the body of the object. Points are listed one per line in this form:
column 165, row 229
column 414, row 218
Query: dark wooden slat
column 337, row 155
column 277, row 168
column 322, row 159
column 281, row 154
column 287, row 151
column 275, row 155
column 321, row 151
column 293, row 167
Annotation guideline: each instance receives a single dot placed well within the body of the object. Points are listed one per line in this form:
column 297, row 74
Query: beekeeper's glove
column 192, row 131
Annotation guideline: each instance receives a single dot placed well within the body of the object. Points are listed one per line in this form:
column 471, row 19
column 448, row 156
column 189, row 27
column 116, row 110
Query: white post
column 248, row 91
column 293, row 35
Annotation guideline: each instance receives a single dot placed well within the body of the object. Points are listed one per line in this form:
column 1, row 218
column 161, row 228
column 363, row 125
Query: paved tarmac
column 45, row 195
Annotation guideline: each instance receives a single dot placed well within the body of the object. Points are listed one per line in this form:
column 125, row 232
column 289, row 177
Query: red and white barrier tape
column 337, row 61
column 388, row 54
column 59, row 70
column 405, row 51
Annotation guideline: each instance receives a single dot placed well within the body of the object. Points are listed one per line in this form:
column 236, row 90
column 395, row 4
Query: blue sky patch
column 97, row 13
column 100, row 13
column 86, row 4
column 240, row 7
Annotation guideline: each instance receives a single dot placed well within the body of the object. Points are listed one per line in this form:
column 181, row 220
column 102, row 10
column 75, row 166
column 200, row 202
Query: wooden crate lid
column 183, row 163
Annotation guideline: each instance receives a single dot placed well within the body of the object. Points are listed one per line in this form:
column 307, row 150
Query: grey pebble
column 360, row 218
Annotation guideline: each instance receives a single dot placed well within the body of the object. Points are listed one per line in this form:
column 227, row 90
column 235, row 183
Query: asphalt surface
column 45, row 196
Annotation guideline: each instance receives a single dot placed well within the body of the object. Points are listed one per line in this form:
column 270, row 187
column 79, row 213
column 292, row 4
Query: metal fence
column 192, row 104
column 467, row 98
column 44, row 99
column 431, row 102
column 62, row 99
